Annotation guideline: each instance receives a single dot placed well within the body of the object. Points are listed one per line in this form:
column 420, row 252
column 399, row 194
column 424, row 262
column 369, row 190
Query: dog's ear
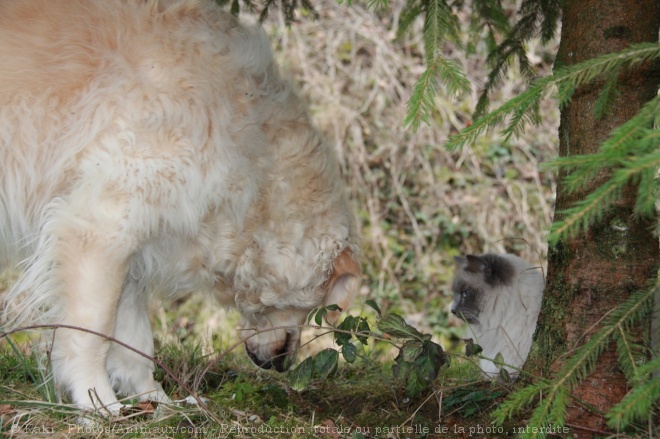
column 343, row 283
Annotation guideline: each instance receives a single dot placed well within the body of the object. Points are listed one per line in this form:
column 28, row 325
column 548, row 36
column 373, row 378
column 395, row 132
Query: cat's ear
column 460, row 261
column 477, row 264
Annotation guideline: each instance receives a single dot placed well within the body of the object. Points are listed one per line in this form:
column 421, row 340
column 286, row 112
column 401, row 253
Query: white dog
column 151, row 144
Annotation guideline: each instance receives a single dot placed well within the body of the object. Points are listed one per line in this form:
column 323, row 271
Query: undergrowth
column 363, row 397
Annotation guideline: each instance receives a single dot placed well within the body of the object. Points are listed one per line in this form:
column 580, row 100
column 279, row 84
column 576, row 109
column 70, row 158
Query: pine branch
column 552, row 408
column 631, row 145
column 629, row 354
column 421, row 103
column 638, row 404
column 491, row 14
column 608, row 96
column 589, row 210
column 551, row 411
column 647, row 187
column 408, row 17
column 377, row 4
column 565, row 80
column 439, row 23
column 517, row 401
column 532, row 12
column 551, row 11
column 625, row 149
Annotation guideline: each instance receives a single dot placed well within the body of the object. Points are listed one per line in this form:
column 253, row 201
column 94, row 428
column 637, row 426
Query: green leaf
column 300, row 377
column 325, row 362
column 318, row 318
column 411, row 350
column 430, row 360
column 373, row 305
column 415, row 383
column 471, row 348
column 395, row 325
column 349, row 352
column 343, row 338
column 311, row 315
column 419, row 364
column 504, row 375
column 363, row 330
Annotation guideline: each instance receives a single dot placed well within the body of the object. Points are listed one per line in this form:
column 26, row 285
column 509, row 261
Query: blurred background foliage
column 419, row 204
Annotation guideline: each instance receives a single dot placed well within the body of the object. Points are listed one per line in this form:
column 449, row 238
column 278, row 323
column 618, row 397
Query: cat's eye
column 464, row 294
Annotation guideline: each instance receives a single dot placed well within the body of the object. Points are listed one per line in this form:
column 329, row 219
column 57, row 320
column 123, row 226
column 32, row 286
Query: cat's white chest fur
column 500, row 298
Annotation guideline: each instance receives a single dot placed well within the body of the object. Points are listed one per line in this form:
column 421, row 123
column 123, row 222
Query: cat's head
column 477, row 279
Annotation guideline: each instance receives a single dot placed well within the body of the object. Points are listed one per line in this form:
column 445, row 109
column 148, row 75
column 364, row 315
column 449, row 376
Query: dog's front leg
column 131, row 373
column 90, row 269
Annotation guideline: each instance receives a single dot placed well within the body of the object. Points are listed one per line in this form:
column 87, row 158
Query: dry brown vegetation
column 418, row 204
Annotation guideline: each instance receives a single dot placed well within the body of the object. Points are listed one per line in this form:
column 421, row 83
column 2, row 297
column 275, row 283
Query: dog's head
column 274, row 329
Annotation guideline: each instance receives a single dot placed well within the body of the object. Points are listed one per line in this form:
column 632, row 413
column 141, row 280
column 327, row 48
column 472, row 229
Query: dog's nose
column 256, row 360
column 279, row 361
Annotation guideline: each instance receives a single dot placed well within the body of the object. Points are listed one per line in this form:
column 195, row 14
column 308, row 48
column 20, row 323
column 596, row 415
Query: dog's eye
column 464, row 294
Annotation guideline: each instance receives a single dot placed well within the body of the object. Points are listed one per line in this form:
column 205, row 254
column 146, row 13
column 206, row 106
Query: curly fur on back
column 151, row 144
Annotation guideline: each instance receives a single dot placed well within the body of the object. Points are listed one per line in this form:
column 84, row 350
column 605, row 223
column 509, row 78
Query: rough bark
column 594, row 272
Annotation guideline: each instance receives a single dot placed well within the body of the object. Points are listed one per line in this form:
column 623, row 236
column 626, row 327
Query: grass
column 418, row 206
column 361, row 400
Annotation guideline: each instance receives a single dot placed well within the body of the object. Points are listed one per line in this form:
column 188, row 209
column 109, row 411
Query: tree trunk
column 593, row 273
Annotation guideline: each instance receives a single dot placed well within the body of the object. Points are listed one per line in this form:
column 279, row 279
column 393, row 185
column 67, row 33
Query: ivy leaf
column 394, row 325
column 325, row 362
column 301, row 376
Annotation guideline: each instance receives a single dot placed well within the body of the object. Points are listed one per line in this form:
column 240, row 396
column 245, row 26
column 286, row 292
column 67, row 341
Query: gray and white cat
column 499, row 296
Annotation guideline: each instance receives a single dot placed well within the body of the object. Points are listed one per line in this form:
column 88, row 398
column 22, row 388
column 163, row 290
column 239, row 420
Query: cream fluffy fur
column 151, row 144
column 501, row 302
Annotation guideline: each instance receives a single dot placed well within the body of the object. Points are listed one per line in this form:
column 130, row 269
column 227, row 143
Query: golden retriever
column 152, row 145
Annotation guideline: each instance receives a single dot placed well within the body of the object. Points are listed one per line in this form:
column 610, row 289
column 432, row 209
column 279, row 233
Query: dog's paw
column 191, row 400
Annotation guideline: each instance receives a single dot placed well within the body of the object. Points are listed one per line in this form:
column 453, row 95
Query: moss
column 550, row 337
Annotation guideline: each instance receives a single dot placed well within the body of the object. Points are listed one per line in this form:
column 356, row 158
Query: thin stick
column 120, row 343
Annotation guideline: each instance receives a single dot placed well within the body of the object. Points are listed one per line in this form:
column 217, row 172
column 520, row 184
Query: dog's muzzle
column 280, row 361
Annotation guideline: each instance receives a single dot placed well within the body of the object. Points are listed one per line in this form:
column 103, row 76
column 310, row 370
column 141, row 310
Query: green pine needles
column 441, row 23
column 632, row 154
column 552, row 396
column 632, row 151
